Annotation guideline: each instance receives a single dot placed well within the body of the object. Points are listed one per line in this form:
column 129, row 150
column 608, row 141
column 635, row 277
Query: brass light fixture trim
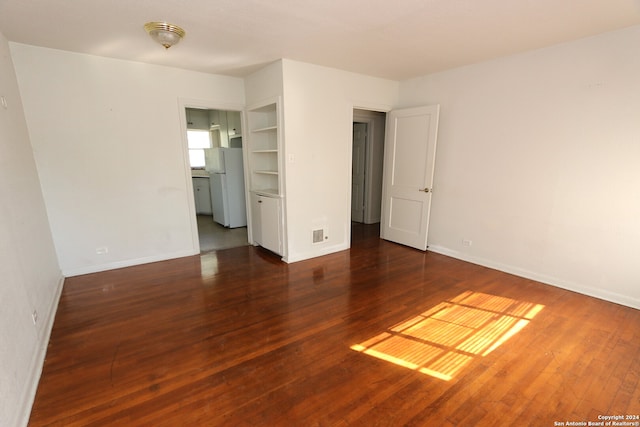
column 164, row 33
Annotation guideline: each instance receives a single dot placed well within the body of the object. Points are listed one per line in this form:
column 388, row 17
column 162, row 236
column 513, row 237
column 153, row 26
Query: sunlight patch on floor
column 444, row 339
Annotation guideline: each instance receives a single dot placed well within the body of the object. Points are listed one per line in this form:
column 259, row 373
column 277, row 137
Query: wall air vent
column 318, row 236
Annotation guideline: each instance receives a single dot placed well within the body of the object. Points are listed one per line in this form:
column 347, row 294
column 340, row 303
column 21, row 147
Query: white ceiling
column 391, row 39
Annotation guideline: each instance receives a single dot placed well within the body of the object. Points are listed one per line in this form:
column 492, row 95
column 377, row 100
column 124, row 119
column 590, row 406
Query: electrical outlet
column 466, row 242
column 102, row 250
column 34, row 317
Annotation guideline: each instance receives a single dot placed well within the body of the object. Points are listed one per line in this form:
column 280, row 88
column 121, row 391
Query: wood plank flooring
column 380, row 335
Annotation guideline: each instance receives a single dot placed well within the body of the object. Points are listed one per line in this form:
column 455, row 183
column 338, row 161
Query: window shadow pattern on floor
column 442, row 340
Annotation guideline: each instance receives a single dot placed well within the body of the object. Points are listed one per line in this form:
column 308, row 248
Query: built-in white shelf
column 266, row 129
column 264, row 148
column 269, row 192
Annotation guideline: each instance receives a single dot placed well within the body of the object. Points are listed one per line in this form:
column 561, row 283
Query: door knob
column 426, row 190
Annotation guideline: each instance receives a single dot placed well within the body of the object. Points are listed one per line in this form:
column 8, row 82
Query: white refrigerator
column 226, row 177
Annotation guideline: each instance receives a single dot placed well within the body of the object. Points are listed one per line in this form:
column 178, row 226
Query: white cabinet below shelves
column 266, row 214
column 202, row 195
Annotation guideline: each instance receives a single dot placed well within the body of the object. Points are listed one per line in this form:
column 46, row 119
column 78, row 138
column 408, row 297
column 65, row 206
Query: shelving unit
column 264, row 148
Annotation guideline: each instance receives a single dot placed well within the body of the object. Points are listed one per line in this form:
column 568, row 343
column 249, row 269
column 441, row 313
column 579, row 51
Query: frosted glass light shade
column 164, row 33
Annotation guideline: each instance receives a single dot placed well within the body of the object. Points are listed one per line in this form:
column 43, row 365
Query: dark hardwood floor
column 380, row 335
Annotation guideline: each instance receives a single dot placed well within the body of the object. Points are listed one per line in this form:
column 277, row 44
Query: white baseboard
column 127, row 263
column 37, row 361
column 321, row 252
column 548, row 280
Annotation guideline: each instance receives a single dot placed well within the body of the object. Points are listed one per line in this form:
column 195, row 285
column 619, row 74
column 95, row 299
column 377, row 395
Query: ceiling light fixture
column 164, row 33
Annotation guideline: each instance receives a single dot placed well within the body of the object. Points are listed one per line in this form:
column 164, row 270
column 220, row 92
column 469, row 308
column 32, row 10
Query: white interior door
column 358, row 171
column 410, row 150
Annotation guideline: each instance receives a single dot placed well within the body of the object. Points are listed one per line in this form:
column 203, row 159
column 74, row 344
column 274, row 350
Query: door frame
column 375, row 129
column 183, row 104
column 365, row 166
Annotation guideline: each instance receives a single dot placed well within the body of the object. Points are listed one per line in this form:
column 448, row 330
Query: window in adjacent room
column 198, row 141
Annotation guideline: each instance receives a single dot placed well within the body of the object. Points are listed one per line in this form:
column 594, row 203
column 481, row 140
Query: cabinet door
column 197, row 119
column 256, row 222
column 270, row 218
column 265, row 221
column 234, row 122
column 202, row 196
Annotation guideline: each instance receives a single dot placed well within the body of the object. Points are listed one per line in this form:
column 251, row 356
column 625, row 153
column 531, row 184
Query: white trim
column 37, row 361
column 542, row 278
column 309, row 255
column 209, row 105
column 129, row 263
column 375, row 128
column 376, row 108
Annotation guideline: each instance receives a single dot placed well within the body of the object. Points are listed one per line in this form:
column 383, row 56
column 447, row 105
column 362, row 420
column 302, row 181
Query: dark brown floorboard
column 238, row 338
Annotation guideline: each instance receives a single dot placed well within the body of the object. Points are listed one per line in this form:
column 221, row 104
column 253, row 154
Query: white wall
column 264, row 84
column 538, row 164
column 30, row 279
column 318, row 111
column 109, row 148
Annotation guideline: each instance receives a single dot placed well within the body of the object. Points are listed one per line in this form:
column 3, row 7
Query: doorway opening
column 214, row 143
column 367, row 166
